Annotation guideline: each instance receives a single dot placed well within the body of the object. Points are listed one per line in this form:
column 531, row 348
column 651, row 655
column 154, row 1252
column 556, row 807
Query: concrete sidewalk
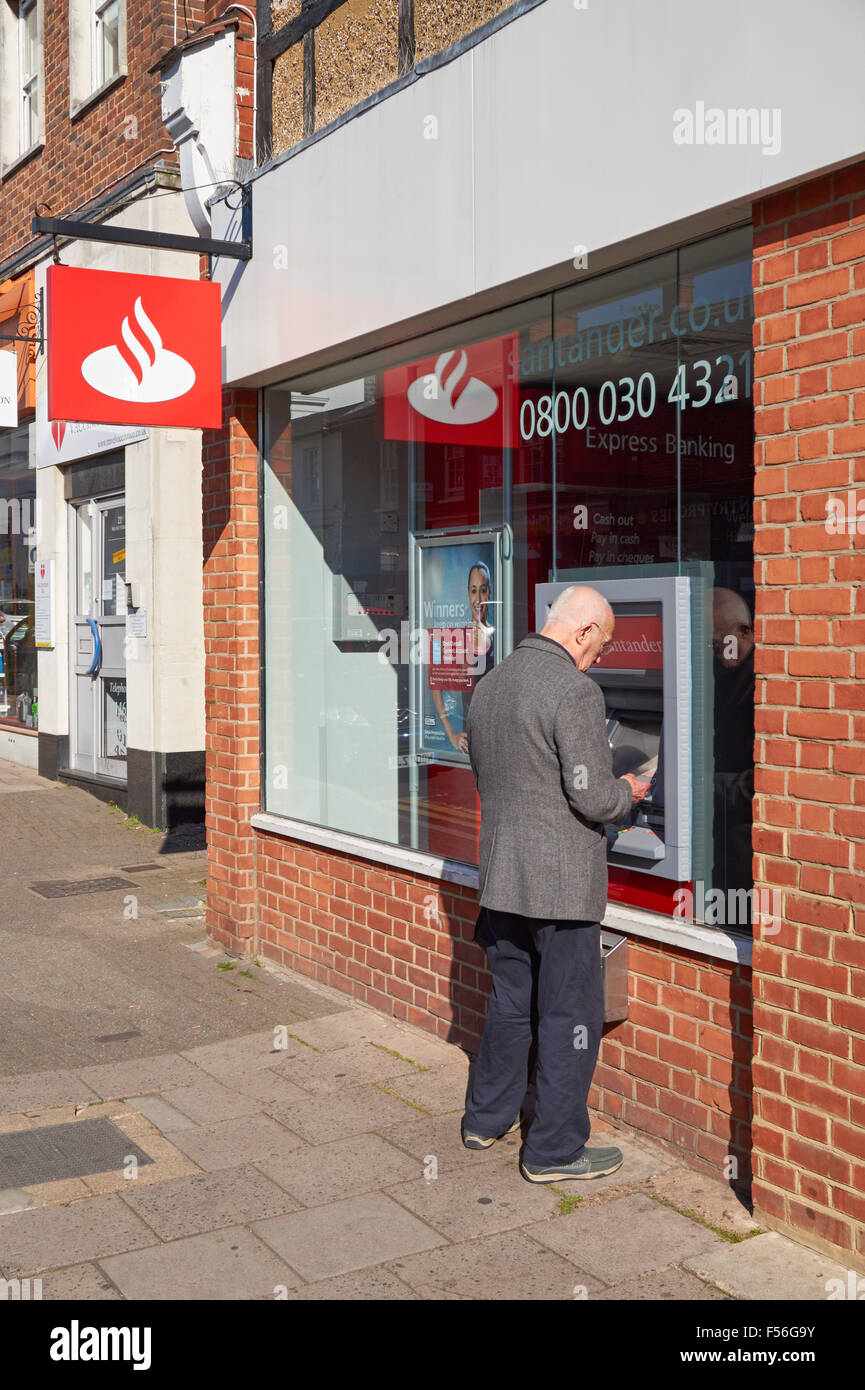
column 284, row 1142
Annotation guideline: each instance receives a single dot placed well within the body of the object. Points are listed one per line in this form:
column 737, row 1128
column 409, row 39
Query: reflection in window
column 602, row 432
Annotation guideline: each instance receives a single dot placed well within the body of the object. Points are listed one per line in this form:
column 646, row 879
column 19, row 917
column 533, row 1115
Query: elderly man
column 539, row 753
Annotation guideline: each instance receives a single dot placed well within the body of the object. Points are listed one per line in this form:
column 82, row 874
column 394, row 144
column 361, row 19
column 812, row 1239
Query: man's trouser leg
column 500, row 1071
column 570, row 1022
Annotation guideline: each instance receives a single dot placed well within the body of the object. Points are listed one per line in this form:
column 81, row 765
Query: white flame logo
column 448, row 396
column 139, row 368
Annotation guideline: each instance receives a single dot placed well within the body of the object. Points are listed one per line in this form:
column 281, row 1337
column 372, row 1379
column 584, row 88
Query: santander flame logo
column 58, row 430
column 138, row 368
column 449, row 396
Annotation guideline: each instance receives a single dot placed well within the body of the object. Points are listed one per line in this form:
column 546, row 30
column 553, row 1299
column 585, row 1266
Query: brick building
column 512, row 199
column 114, row 514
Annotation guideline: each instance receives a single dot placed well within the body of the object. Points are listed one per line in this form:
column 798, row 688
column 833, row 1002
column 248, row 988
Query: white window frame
column 20, row 135
column 87, row 82
column 28, row 129
column 97, row 19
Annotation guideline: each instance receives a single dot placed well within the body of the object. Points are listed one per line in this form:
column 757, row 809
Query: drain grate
column 31, row 1156
column 66, row 888
column 140, row 868
column 118, row 1037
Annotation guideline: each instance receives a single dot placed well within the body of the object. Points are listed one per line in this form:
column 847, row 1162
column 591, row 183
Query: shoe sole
column 567, row 1176
column 476, row 1142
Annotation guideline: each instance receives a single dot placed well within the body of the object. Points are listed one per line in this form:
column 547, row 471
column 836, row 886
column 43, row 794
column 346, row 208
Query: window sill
column 15, row 164
column 79, row 108
column 632, row 922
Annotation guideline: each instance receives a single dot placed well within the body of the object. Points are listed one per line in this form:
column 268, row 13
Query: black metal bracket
column 35, row 318
column 167, row 241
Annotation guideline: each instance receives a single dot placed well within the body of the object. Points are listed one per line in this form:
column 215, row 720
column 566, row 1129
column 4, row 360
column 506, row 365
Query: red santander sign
column 464, row 395
column 133, row 349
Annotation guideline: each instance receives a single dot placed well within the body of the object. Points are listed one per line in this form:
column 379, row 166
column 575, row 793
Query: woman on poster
column 483, row 634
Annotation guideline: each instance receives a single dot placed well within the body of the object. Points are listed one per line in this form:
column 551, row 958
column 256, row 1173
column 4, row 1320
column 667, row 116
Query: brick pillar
column 230, row 488
column 809, row 812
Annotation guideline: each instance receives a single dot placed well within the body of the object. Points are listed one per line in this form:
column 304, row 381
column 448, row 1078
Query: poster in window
column 459, row 602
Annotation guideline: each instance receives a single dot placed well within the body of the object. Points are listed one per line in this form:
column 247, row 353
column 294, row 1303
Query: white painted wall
column 555, row 132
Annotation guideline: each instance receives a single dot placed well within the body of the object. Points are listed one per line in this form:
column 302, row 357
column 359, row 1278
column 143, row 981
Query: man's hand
column 638, row 789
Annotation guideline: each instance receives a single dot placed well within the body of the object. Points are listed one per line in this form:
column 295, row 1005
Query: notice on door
column 44, row 606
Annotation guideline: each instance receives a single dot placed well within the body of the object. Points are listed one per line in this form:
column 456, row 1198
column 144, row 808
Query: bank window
column 418, row 499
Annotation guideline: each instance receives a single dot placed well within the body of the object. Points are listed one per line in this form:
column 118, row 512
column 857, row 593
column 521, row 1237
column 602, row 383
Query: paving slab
column 710, row 1198
column 349, row 1235
column 208, row 1102
column 768, row 1268
column 17, row 1199
column 368, row 1285
column 235, row 1142
column 438, row 1136
column 31, row 1241
column 164, row 1116
column 36, row 1090
column 345, row 1168
column 355, row 1064
column 624, row 1237
column 221, row 1265
column 207, row 1201
column 509, row 1265
column 139, row 1077
column 439, row 1091
column 662, row 1284
column 348, row 1026
column 10, row 1124
column 85, row 1282
column 325, row 1118
column 476, row 1202
column 246, row 1053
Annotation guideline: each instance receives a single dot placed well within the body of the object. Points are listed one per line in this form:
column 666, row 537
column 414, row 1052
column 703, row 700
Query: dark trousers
column 550, row 971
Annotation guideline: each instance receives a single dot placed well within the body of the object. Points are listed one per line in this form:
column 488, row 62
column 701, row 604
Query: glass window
column 414, row 499
column 114, row 561
column 106, row 41
column 29, row 72
column 19, row 681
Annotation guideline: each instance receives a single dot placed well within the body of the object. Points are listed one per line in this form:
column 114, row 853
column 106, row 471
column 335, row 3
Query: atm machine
column 646, row 678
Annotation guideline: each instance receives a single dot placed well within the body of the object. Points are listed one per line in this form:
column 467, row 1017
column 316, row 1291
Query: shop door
column 98, row 603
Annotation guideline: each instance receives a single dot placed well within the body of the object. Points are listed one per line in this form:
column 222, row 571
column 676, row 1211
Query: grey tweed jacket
column 539, row 752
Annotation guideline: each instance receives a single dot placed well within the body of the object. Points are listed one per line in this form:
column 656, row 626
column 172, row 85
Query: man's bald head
column 580, row 620
column 732, row 630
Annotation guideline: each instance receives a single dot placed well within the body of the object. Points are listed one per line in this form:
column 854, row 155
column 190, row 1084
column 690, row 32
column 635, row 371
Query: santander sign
column 133, row 349
column 465, row 395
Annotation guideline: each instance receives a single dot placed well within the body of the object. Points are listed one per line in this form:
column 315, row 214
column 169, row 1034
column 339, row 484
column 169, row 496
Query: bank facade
column 500, row 333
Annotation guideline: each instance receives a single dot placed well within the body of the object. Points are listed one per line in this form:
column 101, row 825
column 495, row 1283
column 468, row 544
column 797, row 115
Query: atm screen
column 631, row 677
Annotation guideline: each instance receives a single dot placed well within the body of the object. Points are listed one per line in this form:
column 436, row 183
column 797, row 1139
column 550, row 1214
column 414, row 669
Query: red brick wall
column 122, row 131
column 230, row 529
column 83, row 156
column 809, row 837
column 678, row 1068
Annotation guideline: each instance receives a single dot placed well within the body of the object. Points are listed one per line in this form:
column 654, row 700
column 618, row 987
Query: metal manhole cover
column 31, row 1156
column 66, row 888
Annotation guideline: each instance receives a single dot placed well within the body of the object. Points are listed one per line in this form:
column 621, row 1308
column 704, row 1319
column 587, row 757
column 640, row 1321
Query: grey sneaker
column 478, row 1141
column 592, row 1163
